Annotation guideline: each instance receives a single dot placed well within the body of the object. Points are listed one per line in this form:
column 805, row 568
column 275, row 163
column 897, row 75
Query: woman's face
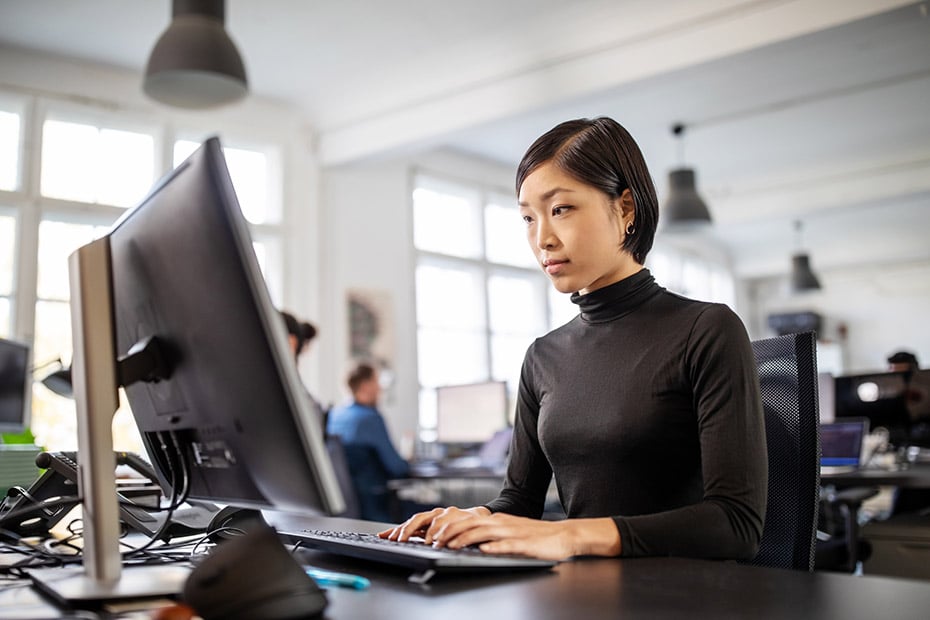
column 576, row 230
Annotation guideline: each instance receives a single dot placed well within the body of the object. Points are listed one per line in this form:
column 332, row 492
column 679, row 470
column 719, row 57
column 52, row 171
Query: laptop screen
column 841, row 442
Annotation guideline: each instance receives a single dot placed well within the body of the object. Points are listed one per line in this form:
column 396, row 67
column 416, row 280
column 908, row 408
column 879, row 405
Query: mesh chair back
column 788, row 384
column 337, row 455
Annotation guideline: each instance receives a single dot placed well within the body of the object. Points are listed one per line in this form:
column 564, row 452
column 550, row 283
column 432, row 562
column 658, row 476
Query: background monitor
column 15, row 386
column 879, row 397
column 471, row 413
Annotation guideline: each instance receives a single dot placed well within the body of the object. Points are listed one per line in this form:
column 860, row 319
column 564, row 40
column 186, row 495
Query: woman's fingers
column 412, row 526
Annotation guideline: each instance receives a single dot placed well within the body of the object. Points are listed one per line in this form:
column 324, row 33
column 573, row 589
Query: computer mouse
column 231, row 521
column 253, row 576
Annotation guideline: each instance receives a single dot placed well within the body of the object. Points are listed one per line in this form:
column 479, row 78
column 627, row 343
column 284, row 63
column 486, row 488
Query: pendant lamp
column 802, row 276
column 684, row 207
column 195, row 64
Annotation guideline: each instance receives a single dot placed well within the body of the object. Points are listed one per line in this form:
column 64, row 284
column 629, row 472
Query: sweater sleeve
column 528, row 470
column 727, row 523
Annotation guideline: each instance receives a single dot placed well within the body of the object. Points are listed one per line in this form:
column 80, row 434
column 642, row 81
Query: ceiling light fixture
column 802, row 276
column 684, row 208
column 195, row 64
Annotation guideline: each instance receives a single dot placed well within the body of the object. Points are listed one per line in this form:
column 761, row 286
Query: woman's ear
column 627, row 208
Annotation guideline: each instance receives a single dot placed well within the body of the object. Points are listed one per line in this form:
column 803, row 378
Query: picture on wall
column 371, row 333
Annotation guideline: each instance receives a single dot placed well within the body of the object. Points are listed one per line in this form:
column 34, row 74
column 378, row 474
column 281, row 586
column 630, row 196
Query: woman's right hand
column 428, row 524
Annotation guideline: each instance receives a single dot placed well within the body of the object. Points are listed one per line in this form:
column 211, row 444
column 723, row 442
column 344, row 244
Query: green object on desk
column 326, row 578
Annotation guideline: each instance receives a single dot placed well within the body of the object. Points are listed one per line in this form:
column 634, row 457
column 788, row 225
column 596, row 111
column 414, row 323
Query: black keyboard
column 412, row 554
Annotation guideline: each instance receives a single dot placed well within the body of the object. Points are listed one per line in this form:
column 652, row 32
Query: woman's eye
column 559, row 210
column 527, row 219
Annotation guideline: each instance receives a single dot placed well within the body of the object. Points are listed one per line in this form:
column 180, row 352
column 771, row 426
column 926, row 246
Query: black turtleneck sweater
column 646, row 409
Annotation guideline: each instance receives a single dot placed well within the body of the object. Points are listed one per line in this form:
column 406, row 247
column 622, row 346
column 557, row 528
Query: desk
column 613, row 588
column 914, row 477
column 591, row 589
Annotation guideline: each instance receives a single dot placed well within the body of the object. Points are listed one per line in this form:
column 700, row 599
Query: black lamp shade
column 802, row 277
column 194, row 63
column 684, row 206
column 60, row 382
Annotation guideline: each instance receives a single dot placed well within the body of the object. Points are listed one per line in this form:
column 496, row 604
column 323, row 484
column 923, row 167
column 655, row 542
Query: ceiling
column 810, row 110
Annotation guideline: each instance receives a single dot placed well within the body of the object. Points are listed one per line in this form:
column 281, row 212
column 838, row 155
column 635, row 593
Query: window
column 692, row 276
column 93, row 164
column 86, row 163
column 7, row 247
column 9, row 147
column 480, row 297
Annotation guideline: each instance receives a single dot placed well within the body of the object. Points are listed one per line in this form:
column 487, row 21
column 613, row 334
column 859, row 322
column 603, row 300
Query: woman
column 645, row 406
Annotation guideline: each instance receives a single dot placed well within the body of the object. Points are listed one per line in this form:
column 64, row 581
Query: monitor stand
column 94, row 367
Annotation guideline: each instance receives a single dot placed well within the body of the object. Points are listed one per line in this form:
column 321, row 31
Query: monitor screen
column 184, row 271
column 879, row 397
column 470, row 413
column 841, row 443
column 14, row 386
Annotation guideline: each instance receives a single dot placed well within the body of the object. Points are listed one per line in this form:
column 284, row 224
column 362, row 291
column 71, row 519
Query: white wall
column 883, row 308
column 367, row 243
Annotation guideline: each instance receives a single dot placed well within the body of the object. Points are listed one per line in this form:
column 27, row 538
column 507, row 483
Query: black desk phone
column 59, row 480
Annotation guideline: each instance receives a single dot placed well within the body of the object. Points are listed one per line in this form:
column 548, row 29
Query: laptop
column 841, row 445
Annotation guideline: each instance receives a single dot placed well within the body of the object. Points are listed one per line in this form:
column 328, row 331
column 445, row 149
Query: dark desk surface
column 613, row 588
column 598, row 588
column 914, row 476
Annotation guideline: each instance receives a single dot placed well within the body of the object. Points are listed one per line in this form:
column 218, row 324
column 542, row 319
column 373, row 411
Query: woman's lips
column 554, row 267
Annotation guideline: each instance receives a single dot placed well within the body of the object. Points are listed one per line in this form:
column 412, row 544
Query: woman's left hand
column 549, row 540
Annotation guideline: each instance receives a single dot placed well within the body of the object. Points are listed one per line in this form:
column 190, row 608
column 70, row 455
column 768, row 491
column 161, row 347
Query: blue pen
column 326, row 578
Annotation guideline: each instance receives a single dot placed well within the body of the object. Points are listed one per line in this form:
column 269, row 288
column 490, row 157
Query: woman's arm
column 727, row 522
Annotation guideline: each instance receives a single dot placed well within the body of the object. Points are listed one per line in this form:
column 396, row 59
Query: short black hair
column 903, row 357
column 601, row 153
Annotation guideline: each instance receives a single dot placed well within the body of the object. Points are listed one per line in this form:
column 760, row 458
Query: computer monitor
column 15, row 386
column 171, row 305
column 470, row 414
column 879, row 397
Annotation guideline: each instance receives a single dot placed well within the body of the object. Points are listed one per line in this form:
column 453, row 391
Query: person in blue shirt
column 371, row 456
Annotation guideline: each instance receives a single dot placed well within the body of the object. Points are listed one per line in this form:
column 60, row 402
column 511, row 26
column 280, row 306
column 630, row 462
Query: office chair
column 337, row 455
column 788, row 385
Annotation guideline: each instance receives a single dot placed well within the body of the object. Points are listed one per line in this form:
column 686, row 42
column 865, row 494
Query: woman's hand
column 502, row 533
column 428, row 524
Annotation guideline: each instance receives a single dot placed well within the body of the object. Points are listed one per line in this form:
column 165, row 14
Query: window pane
column 53, row 331
column 69, row 151
column 126, row 170
column 57, row 241
column 5, row 317
column 182, row 150
column 446, row 223
column 561, row 308
column 449, row 357
column 249, row 173
column 505, row 237
column 7, row 237
column 9, row 151
column 507, row 354
column 87, row 164
column 452, row 298
column 516, row 305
